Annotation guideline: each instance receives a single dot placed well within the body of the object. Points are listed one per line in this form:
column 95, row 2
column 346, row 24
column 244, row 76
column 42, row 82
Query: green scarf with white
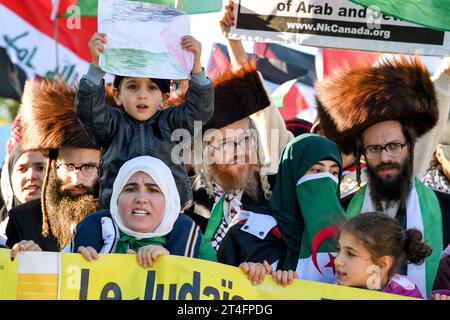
column 129, row 242
column 423, row 212
column 306, row 205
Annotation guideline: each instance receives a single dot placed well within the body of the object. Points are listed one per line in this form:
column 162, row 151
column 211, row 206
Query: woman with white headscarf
column 144, row 218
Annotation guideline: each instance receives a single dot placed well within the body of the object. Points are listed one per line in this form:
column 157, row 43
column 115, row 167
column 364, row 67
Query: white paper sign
column 333, row 24
column 143, row 40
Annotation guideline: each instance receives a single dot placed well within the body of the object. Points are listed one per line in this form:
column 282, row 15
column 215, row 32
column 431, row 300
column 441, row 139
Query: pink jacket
column 402, row 285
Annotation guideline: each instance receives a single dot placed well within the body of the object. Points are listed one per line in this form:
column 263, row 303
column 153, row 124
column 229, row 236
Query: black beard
column 65, row 210
column 394, row 190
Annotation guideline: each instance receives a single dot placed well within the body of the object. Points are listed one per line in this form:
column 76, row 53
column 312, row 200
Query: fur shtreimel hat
column 48, row 117
column 237, row 95
column 350, row 101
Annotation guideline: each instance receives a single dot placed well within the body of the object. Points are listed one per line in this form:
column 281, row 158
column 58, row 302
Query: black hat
column 163, row 84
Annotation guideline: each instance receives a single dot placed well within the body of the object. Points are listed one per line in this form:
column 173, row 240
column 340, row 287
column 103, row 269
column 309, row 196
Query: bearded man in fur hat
column 241, row 147
column 70, row 188
column 230, row 178
column 378, row 112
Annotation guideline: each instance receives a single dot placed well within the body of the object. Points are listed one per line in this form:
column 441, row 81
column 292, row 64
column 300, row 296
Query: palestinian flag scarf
column 423, row 212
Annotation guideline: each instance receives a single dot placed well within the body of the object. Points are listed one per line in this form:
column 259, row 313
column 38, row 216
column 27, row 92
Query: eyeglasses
column 393, row 149
column 87, row 170
column 231, row 144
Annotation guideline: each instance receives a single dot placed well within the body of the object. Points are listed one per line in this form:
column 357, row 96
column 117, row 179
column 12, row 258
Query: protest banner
column 67, row 276
column 155, row 53
column 334, row 24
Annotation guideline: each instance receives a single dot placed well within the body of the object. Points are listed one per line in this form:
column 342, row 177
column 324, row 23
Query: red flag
column 294, row 103
column 337, row 59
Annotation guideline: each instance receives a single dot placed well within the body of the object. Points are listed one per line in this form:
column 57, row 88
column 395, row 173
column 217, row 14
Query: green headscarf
column 298, row 156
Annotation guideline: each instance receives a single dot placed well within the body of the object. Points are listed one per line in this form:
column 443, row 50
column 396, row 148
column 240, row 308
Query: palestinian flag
column 28, row 29
column 295, row 96
column 432, row 14
column 288, row 73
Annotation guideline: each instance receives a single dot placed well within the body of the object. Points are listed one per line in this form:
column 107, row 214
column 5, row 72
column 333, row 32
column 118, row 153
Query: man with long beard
column 229, row 177
column 70, row 188
column 378, row 112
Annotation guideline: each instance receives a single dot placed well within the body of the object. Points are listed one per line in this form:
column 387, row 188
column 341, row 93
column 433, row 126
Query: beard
column 391, row 190
column 64, row 210
column 233, row 177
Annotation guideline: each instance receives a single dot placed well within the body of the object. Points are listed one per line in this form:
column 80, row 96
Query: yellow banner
column 8, row 276
column 117, row 276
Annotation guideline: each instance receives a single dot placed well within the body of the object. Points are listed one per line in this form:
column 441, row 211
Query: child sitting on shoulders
column 142, row 127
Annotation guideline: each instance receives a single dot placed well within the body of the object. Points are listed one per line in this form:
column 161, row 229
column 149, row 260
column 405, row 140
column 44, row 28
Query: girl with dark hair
column 371, row 249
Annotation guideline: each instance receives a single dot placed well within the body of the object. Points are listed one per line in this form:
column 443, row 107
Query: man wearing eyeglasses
column 70, row 188
column 378, row 113
column 229, row 177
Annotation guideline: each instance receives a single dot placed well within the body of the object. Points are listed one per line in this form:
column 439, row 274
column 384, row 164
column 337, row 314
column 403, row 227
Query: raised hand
column 227, row 19
column 96, row 46
column 189, row 43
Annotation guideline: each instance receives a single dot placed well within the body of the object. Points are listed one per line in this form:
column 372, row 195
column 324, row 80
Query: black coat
column 239, row 246
column 25, row 223
column 122, row 138
column 200, row 211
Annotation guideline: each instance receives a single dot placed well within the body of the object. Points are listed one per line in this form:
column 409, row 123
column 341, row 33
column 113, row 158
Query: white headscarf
column 163, row 177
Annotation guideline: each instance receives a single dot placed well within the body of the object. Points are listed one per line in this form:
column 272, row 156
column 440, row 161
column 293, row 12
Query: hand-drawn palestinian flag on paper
column 27, row 34
column 321, row 214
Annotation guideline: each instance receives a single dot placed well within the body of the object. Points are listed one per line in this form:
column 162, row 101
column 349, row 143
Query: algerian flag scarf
column 302, row 208
column 320, row 212
column 423, row 212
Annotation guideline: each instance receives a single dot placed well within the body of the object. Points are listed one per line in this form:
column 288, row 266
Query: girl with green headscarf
column 304, row 207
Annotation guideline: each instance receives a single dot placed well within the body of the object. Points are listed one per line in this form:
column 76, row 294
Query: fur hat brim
column 350, row 101
column 237, row 95
column 48, row 117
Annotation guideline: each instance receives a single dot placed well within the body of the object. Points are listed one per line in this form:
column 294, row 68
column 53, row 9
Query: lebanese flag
column 27, row 32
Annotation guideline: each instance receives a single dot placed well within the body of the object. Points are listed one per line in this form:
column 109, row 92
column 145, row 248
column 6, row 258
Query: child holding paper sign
column 140, row 127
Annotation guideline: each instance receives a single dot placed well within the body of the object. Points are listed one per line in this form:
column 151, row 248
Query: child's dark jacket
column 122, row 138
